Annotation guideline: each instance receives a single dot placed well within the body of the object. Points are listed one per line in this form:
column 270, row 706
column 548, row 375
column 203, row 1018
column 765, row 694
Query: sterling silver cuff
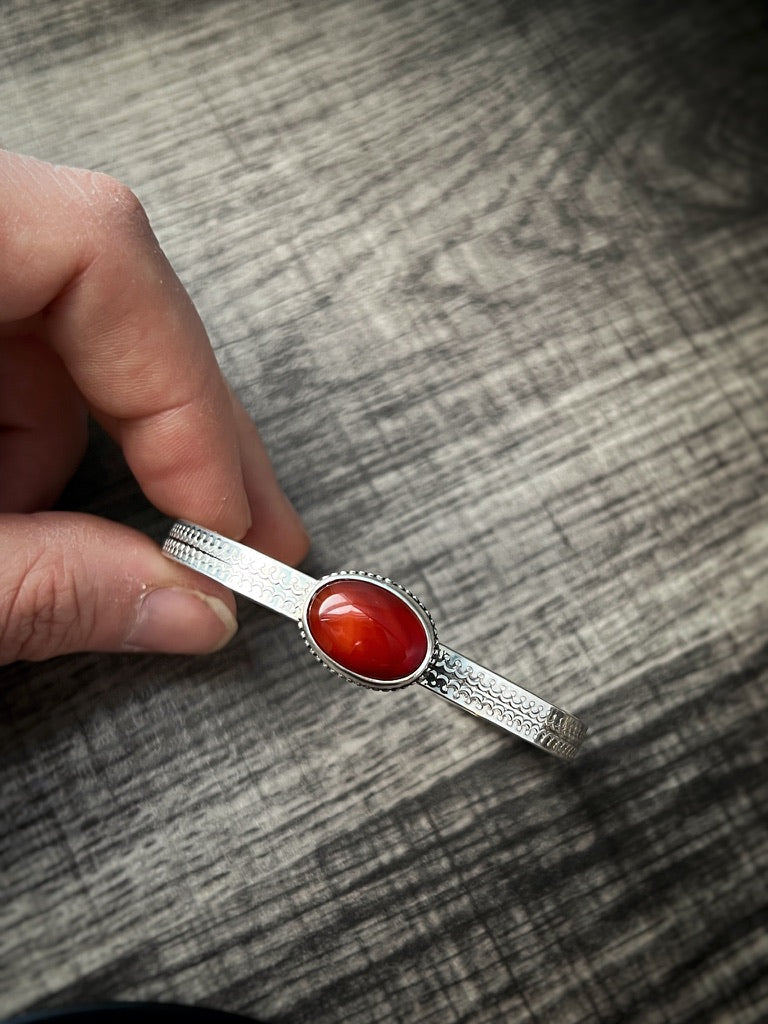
column 375, row 633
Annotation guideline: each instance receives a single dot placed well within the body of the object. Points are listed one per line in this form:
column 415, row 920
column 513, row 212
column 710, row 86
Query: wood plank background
column 491, row 276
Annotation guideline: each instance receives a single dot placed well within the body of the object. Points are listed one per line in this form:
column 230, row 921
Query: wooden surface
column 491, row 276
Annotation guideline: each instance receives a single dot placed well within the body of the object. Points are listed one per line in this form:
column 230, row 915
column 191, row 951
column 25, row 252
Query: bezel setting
column 409, row 599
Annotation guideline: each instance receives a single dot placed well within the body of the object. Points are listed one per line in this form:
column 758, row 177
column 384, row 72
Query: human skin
column 93, row 321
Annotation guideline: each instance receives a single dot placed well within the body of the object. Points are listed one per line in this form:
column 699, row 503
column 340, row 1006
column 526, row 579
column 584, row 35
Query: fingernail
column 179, row 621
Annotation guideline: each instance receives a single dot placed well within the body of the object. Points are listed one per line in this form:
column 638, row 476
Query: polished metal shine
column 444, row 671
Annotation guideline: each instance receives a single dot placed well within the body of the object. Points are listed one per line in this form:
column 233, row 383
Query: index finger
column 78, row 254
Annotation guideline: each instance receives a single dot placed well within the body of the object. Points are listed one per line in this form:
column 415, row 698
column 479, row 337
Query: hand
column 93, row 319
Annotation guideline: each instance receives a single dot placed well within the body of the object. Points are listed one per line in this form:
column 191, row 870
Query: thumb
column 71, row 582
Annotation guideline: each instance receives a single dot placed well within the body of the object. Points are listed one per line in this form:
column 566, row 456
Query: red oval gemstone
column 367, row 629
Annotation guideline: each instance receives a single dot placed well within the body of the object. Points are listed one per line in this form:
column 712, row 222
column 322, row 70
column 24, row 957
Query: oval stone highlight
column 367, row 629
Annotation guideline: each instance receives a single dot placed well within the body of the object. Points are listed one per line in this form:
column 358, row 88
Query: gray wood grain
column 491, row 278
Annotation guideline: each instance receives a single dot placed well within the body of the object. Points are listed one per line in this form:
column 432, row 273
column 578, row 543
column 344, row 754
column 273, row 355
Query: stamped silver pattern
column 448, row 674
column 249, row 572
column 498, row 700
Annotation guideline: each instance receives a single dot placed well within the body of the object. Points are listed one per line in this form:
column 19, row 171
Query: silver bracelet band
column 338, row 612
